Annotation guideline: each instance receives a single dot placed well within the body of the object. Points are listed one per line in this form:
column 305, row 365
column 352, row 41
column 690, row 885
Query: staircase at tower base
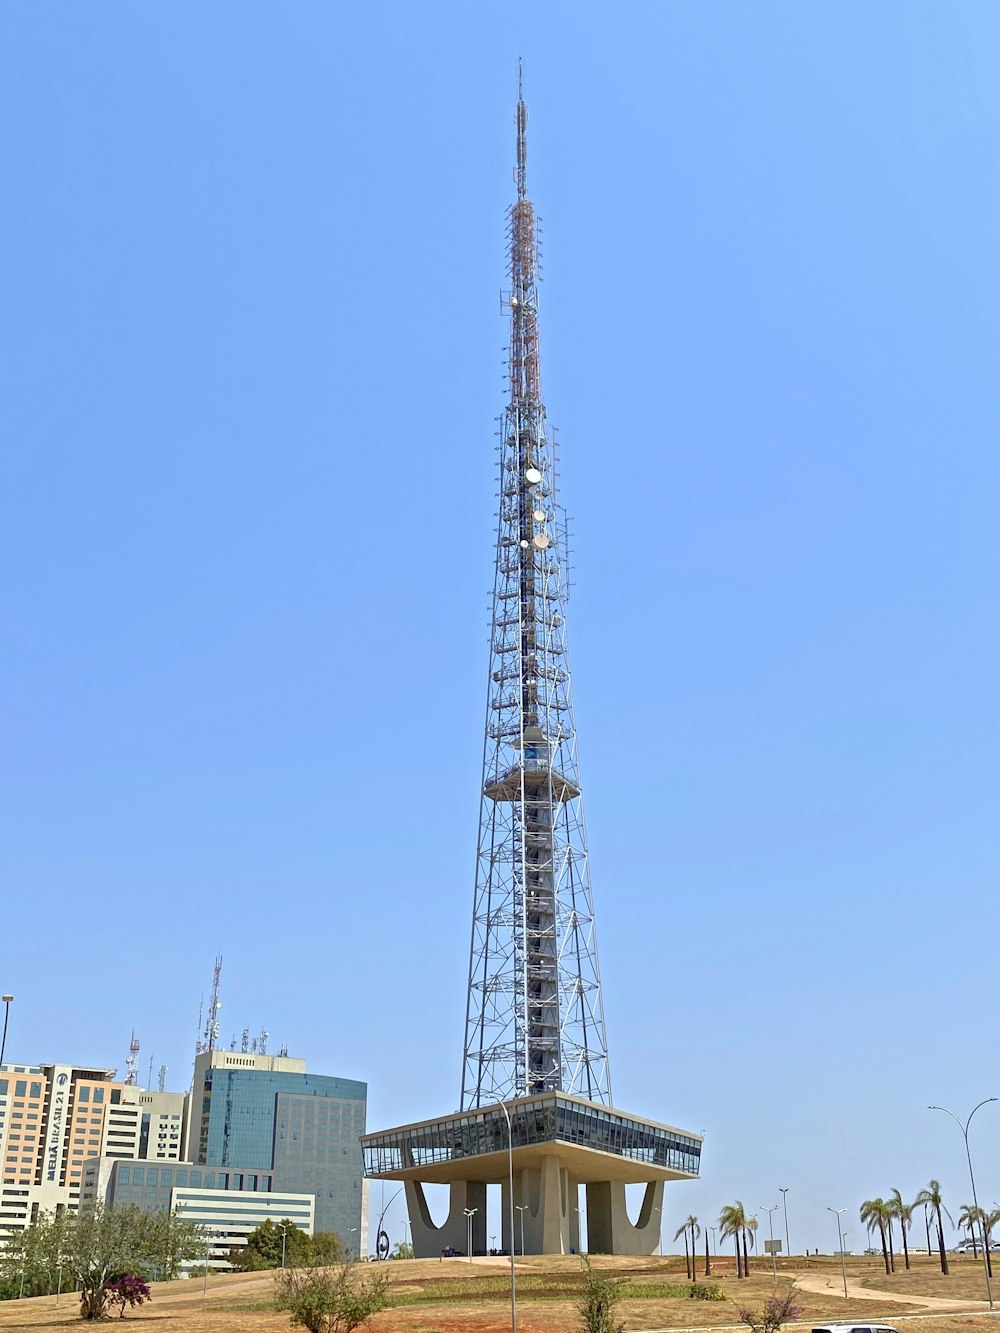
column 556, row 1143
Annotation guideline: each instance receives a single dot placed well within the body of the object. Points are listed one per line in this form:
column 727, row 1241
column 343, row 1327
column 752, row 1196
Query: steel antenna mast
column 534, row 1017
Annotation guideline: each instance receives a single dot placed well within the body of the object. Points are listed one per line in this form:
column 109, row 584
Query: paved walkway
column 832, row 1285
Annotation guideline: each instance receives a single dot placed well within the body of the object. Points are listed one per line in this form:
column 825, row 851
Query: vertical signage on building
column 58, row 1121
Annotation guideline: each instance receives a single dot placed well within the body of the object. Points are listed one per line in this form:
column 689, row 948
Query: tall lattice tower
column 536, row 1117
column 535, row 1019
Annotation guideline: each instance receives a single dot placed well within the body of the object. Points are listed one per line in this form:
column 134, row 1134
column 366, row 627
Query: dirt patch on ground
column 476, row 1300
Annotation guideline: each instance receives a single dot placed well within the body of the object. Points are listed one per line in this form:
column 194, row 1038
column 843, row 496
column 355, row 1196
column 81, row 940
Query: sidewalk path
column 831, row 1285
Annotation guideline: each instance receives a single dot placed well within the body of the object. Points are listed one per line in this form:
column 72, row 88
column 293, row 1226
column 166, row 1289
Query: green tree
column 904, row 1212
column 685, row 1229
column 967, row 1220
column 990, row 1220
column 263, row 1248
column 598, row 1299
column 733, row 1221
column 332, row 1299
column 876, row 1213
column 932, row 1197
column 100, row 1246
column 402, row 1250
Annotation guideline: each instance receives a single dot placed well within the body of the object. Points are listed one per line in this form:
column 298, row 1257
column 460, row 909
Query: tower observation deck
column 536, row 1112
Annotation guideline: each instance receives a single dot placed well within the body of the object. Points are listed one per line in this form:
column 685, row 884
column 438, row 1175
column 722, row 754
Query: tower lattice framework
column 535, row 1017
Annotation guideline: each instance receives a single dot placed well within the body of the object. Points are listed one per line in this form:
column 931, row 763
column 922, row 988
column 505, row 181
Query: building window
column 20, row 1087
column 83, row 1094
column 98, row 1094
column 36, row 1090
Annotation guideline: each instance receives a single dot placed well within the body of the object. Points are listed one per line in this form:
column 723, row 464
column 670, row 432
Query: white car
column 854, row 1328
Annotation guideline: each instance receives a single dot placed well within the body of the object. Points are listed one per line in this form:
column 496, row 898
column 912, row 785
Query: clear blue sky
column 251, row 360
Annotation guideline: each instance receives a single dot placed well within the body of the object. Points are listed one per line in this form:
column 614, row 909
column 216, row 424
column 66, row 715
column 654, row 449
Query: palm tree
column 695, row 1229
column 904, row 1211
column 990, row 1220
column 932, row 1197
column 732, row 1222
column 967, row 1220
column 875, row 1212
column 748, row 1232
column 682, row 1230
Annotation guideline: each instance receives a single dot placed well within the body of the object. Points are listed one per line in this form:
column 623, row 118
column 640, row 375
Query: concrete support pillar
column 609, row 1230
column 429, row 1240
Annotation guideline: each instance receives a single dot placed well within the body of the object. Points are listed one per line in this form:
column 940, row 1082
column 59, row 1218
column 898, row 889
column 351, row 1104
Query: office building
column 228, row 1204
column 266, row 1113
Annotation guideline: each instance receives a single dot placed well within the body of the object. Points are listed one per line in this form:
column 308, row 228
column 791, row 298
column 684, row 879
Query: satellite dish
column 533, row 475
column 524, row 546
column 538, row 515
column 541, row 541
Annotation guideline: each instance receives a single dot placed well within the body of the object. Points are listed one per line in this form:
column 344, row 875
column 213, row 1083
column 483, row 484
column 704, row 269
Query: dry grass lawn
column 455, row 1296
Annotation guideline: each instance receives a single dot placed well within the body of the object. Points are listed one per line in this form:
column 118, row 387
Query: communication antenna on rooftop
column 149, row 1082
column 132, row 1063
column 211, row 1033
column 161, row 1081
column 246, row 1041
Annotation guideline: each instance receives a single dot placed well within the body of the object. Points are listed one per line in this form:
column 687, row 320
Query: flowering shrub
column 127, row 1290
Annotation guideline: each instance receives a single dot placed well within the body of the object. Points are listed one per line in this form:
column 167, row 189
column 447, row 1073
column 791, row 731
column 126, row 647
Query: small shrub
column 127, row 1290
column 777, row 1311
column 597, row 1302
column 706, row 1291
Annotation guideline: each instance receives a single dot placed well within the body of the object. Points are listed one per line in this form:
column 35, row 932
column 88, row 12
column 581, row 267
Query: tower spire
column 534, row 1018
column 522, row 136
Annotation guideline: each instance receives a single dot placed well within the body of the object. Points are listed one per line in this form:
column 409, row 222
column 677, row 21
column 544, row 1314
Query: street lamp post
column 784, row 1204
column 7, row 1000
column 284, row 1232
column 659, row 1230
column 469, row 1212
column 712, row 1230
column 510, row 1192
column 521, row 1208
column 840, row 1241
column 352, row 1232
column 972, row 1180
column 770, row 1226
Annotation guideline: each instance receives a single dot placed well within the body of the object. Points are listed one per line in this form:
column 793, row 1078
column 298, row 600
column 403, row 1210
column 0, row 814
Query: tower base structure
column 548, row 1145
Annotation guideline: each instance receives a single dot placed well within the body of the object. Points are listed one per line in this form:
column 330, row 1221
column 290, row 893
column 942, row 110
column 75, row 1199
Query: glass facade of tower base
column 447, row 1147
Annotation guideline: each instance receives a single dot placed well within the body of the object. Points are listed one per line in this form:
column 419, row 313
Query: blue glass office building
column 265, row 1113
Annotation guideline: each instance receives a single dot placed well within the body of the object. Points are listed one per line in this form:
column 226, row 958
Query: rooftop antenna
column 211, row 1033
column 262, row 1041
column 161, row 1082
column 149, row 1082
column 246, row 1040
column 132, row 1063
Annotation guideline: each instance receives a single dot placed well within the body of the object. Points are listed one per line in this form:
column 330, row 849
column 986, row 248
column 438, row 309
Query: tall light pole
column 7, row 1000
column 714, row 1250
column 510, row 1194
column 469, row 1212
column 840, row 1241
column 284, row 1232
column 784, row 1202
column 351, row 1243
column 972, row 1180
column 770, row 1226
column 520, row 1208
column 659, row 1230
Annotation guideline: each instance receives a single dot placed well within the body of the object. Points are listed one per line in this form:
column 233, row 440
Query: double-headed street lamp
column 521, row 1209
column 840, row 1241
column 469, row 1214
column 784, row 1203
column 770, row 1226
column 972, row 1180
